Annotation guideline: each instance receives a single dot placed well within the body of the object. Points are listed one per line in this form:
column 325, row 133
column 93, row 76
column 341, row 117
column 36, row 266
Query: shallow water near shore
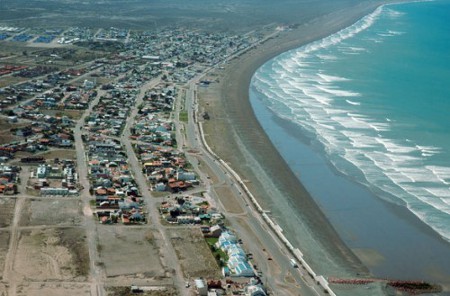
column 360, row 128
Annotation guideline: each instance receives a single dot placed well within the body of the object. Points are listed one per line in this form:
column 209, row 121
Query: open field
column 51, row 212
column 4, row 243
column 59, row 153
column 5, row 127
column 129, row 251
column 193, row 253
column 228, row 200
column 53, row 289
column 141, row 14
column 55, row 254
column 126, row 291
column 3, row 289
column 6, row 210
column 72, row 114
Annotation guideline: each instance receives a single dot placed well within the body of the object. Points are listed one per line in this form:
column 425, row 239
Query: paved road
column 97, row 274
column 277, row 273
column 151, row 203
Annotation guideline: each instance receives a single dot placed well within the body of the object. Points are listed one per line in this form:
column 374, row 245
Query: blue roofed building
column 237, row 264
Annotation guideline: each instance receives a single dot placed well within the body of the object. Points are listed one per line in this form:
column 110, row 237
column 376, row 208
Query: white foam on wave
column 393, row 146
column 317, row 96
column 307, row 97
column 428, row 150
column 396, row 33
column 361, row 140
column 441, row 172
column 353, row 103
column 331, row 78
column 344, row 34
column 393, row 13
column 326, row 57
column 419, row 174
column 443, row 193
column 356, row 49
column 337, row 92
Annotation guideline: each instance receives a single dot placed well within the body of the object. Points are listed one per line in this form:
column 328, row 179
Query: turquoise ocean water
column 374, row 100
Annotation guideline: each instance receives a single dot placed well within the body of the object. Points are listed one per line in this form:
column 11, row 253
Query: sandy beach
column 236, row 136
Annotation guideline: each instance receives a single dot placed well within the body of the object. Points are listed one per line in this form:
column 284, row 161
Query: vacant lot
column 6, row 210
column 72, row 114
column 129, row 251
column 51, row 212
column 52, row 254
column 60, row 153
column 53, row 289
column 4, row 244
column 3, row 289
column 193, row 253
column 5, row 133
column 126, row 291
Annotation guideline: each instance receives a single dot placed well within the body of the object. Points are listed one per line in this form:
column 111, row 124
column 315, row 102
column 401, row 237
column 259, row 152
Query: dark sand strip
column 235, row 135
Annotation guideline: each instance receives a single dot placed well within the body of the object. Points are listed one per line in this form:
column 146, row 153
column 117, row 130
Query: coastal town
column 107, row 184
column 98, row 142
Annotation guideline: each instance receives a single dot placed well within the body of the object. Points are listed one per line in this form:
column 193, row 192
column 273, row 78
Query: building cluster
column 174, row 56
column 237, row 264
column 164, row 166
column 58, row 178
column 52, row 91
column 42, row 133
column 252, row 287
column 110, row 114
column 190, row 209
column 117, row 197
column 9, row 177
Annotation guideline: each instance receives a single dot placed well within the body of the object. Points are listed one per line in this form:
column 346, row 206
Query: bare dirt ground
column 129, row 251
column 53, row 289
column 3, row 289
column 5, row 127
column 54, row 254
column 126, row 291
column 4, row 243
column 60, row 153
column 6, row 210
column 72, row 114
column 193, row 253
column 51, row 212
column 228, row 200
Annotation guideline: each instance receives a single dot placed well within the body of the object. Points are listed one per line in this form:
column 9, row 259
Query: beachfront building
column 237, row 264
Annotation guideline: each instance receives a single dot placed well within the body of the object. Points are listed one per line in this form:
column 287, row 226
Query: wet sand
column 235, row 135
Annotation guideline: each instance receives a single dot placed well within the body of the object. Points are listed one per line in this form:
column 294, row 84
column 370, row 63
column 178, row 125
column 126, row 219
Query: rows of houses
column 163, row 164
column 237, row 264
column 117, row 196
column 9, row 177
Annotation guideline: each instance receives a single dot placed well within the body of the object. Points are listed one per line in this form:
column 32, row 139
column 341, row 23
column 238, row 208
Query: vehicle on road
column 293, row 263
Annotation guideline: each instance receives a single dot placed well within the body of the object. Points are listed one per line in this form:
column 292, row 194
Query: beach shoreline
column 234, row 133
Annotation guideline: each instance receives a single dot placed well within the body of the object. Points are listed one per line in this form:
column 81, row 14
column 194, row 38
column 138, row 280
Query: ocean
column 362, row 118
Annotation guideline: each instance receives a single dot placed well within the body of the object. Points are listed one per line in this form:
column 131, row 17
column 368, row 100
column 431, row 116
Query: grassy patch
column 218, row 253
column 183, row 116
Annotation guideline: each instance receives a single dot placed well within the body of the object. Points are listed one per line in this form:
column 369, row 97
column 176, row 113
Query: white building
column 42, row 171
column 201, row 287
column 254, row 290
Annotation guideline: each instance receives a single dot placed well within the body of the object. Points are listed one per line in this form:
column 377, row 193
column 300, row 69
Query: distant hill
column 147, row 14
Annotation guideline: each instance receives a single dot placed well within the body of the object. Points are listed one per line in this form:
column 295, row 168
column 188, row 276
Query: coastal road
column 270, row 255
